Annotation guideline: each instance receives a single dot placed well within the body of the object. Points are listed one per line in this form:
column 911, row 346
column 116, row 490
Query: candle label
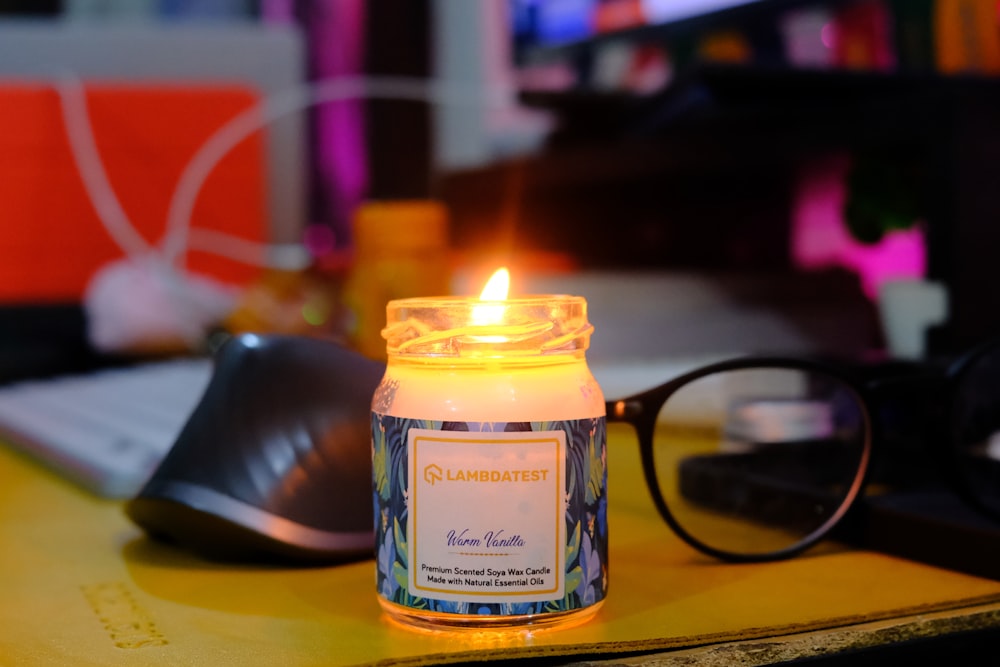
column 490, row 518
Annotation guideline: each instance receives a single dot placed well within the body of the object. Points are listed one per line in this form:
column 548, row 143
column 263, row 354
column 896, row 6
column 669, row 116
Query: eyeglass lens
column 754, row 461
column 976, row 434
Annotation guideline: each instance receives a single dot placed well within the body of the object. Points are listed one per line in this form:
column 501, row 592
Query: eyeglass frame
column 640, row 411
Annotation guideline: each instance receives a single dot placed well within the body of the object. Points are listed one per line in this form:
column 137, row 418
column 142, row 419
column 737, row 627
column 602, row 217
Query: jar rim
column 521, row 300
column 457, row 327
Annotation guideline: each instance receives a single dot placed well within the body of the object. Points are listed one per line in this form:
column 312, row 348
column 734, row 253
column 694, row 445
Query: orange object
column 401, row 250
column 726, row 46
column 51, row 240
column 967, row 36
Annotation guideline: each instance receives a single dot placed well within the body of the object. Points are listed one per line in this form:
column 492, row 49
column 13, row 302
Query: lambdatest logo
column 433, row 474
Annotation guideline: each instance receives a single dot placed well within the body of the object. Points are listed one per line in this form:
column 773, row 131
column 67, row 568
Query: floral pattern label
column 490, row 518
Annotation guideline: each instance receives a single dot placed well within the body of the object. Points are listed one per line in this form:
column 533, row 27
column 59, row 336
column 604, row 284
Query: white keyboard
column 106, row 430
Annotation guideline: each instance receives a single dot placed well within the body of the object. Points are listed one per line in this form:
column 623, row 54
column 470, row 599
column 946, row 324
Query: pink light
column 319, row 240
column 336, row 37
column 820, row 238
column 828, row 35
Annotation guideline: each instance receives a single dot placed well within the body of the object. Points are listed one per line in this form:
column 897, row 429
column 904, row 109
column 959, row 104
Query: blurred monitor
column 542, row 29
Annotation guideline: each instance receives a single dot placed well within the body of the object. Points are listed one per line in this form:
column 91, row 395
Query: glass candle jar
column 489, row 451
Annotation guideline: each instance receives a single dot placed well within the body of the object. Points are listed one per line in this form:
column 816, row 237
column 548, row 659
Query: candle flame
column 496, row 290
column 497, row 286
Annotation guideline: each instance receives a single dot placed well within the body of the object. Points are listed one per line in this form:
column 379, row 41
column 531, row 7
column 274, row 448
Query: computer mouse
column 274, row 463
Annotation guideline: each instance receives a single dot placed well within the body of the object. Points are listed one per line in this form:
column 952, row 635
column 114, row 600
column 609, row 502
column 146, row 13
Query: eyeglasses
column 759, row 459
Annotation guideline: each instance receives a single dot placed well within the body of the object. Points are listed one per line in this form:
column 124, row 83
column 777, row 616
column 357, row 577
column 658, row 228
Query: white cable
column 178, row 236
column 175, row 241
column 288, row 256
column 155, row 276
column 79, row 131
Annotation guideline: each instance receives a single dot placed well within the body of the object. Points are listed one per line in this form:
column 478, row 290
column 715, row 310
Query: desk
column 82, row 585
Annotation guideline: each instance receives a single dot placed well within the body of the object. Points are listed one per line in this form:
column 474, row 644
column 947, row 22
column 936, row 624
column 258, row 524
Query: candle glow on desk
column 489, row 463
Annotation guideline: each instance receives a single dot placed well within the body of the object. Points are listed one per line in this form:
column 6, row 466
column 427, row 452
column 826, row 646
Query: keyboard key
column 106, row 430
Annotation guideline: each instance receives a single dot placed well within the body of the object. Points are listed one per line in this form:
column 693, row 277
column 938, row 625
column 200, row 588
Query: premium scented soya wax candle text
column 489, row 451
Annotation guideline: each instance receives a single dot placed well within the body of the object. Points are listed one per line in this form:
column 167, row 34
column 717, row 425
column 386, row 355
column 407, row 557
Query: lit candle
column 489, row 471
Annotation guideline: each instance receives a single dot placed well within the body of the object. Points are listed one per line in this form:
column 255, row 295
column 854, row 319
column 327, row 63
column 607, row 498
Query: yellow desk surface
column 81, row 585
